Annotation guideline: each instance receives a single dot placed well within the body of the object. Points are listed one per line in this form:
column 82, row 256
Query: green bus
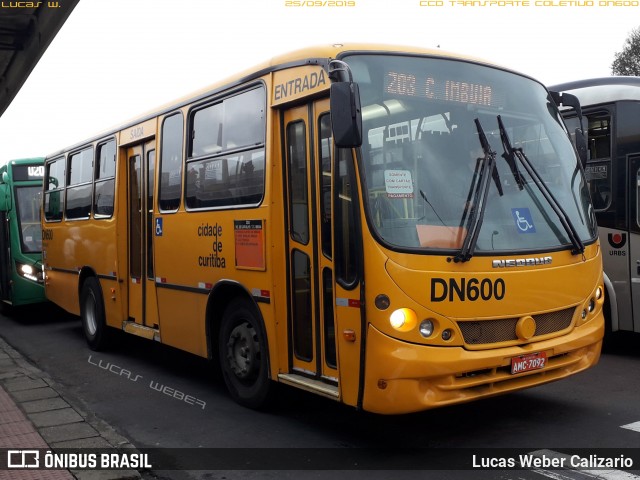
column 21, row 276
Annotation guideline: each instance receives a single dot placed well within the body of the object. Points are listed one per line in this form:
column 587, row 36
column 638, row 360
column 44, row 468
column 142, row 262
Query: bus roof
column 21, row 161
column 595, row 91
column 314, row 55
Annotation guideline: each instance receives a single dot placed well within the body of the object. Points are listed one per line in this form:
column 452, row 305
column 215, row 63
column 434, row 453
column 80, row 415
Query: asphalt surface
column 155, row 397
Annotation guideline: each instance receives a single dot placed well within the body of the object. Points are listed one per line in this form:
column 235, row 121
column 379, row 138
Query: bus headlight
column 29, row 272
column 426, row 328
column 403, row 319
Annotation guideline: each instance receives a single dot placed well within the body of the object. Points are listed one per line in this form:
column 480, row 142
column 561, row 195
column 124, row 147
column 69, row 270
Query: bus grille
column 504, row 330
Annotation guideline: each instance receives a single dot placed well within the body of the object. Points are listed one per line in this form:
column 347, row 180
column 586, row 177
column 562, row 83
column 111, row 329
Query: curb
column 37, row 415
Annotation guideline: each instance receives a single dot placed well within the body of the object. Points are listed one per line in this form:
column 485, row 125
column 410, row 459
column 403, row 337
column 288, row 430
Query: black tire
column 92, row 315
column 244, row 358
column 6, row 309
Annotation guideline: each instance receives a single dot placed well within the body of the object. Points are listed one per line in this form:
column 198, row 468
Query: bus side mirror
column 346, row 114
column 568, row 100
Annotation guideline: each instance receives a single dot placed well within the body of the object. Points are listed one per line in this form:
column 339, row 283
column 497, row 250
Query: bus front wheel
column 92, row 314
column 243, row 356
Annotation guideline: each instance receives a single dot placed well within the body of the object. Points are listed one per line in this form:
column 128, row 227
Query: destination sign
column 406, row 84
column 23, row 173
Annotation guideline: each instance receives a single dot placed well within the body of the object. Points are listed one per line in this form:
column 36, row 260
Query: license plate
column 526, row 363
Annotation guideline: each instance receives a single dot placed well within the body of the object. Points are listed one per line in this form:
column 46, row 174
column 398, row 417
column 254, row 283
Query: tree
column 627, row 62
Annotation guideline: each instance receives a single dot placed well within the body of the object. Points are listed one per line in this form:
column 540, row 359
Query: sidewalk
column 33, row 414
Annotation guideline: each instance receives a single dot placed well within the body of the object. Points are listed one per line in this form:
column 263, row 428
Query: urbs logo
column 617, row 241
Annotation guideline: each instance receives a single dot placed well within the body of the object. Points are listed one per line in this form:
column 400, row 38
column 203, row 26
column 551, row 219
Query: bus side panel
column 628, row 156
column 112, row 302
column 67, row 254
column 182, row 318
column 196, row 251
column 178, row 252
column 5, row 266
column 615, row 258
column 62, row 289
column 26, row 291
column 61, row 282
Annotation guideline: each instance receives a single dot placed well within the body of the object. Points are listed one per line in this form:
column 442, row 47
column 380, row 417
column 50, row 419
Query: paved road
column 124, row 387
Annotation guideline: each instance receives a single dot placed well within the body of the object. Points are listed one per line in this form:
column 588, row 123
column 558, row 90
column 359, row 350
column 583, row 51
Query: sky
column 114, row 60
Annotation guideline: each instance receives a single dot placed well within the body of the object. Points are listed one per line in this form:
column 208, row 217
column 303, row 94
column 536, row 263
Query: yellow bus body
column 202, row 261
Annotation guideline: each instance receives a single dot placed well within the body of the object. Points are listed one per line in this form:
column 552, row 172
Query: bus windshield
column 28, row 203
column 422, row 157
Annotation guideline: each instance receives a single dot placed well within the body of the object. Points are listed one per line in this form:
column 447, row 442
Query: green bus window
column 28, row 200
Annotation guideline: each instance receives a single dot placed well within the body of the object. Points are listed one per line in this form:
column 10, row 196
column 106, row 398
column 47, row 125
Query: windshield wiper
column 484, row 171
column 509, row 155
column 565, row 220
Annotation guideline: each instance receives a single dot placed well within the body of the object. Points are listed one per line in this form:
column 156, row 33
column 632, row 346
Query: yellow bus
column 394, row 229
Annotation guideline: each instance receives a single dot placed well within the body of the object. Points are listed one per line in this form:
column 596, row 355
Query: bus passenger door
column 6, row 267
column 312, row 343
column 141, row 277
column 634, row 243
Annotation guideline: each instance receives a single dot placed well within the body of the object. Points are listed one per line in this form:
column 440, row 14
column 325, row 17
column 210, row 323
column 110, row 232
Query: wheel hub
column 243, row 351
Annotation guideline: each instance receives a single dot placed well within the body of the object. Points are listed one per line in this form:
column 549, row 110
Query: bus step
column 141, row 330
column 311, row 385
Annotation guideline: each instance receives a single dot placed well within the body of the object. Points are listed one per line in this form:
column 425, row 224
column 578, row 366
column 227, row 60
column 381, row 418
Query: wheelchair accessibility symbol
column 524, row 220
column 158, row 227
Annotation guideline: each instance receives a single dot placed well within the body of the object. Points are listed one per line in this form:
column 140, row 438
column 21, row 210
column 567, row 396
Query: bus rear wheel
column 92, row 314
column 243, row 356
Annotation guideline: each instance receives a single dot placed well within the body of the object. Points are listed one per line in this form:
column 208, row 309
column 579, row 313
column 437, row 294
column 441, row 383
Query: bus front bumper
column 401, row 377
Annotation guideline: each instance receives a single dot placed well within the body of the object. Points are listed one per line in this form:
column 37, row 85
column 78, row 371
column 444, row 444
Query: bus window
column 218, row 178
column 226, row 181
column 301, row 305
column 207, row 131
column 151, row 168
column 297, row 159
column 233, row 123
column 54, row 189
column 599, row 136
column 171, row 163
column 345, row 248
column 28, row 206
column 105, row 180
column 598, row 170
column 79, row 190
column 325, row 183
column 638, row 198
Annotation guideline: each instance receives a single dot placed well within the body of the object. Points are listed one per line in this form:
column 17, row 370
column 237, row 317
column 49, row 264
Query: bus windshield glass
column 28, row 202
column 423, row 157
